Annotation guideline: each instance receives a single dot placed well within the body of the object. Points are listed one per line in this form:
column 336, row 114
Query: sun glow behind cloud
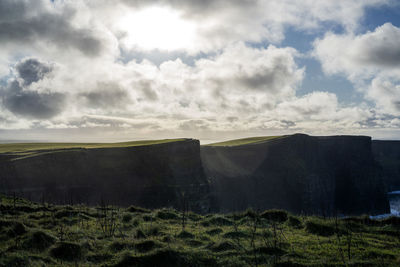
column 157, row 28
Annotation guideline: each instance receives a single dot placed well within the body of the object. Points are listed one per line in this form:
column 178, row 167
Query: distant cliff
column 150, row 176
column 387, row 154
column 300, row 173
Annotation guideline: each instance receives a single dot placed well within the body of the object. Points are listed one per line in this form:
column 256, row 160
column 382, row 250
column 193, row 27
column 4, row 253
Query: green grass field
column 29, row 149
column 49, row 235
column 247, row 141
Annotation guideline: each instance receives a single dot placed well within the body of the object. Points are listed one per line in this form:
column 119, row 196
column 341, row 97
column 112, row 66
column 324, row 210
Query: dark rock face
column 387, row 154
column 150, row 176
column 299, row 173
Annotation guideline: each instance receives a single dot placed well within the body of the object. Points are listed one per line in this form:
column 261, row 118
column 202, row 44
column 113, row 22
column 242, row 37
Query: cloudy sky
column 101, row 70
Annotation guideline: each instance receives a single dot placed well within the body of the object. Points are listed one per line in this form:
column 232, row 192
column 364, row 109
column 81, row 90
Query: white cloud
column 360, row 56
column 386, row 94
column 370, row 60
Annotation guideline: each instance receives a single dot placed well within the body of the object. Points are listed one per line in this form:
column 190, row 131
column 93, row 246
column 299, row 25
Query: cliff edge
column 300, row 173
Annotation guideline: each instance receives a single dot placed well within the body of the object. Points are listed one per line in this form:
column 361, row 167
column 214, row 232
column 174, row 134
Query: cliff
column 387, row 154
column 299, row 173
column 151, row 176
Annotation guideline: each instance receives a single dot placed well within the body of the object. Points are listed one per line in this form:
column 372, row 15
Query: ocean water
column 394, row 201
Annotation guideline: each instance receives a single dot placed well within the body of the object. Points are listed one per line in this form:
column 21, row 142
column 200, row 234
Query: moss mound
column 295, row 222
column 278, row 216
column 39, row 240
column 234, row 235
column 120, row 245
column 163, row 257
column 185, row 234
column 12, row 228
column 215, row 231
column 167, row 215
column 194, row 243
column 67, row 251
column 269, row 250
column 14, row 260
column 217, row 220
column 223, row 246
column 139, row 234
column 138, row 209
column 320, row 228
column 17, row 229
column 146, row 246
column 65, row 214
column 127, row 218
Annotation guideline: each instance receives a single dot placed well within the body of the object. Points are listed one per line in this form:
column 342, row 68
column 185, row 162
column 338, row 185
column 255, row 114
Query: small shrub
column 67, row 251
column 278, row 216
column 320, row 228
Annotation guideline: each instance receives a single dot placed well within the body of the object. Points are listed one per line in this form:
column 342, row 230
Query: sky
column 85, row 70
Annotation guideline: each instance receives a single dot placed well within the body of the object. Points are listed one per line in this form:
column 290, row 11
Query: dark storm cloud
column 32, row 70
column 32, row 104
column 24, row 28
column 106, row 95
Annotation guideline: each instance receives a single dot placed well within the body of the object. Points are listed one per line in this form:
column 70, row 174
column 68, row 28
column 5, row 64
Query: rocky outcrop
column 387, row 154
column 299, row 173
column 151, row 176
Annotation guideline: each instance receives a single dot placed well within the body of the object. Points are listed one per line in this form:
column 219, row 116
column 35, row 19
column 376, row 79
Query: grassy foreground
column 48, row 235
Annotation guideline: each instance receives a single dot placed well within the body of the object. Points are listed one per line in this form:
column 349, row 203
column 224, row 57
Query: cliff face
column 150, row 176
column 300, row 173
column 387, row 154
